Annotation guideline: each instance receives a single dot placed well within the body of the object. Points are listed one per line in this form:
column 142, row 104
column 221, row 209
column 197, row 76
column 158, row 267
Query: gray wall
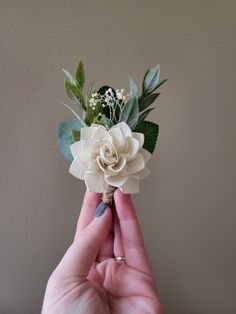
column 187, row 205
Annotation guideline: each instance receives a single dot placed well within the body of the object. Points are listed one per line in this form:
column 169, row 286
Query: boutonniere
column 109, row 141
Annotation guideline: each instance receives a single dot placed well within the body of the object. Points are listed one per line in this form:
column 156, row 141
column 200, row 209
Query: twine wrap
column 107, row 195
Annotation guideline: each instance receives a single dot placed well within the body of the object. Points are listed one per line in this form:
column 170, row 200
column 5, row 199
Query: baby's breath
column 111, row 100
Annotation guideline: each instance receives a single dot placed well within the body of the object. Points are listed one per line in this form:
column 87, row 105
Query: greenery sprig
column 107, row 106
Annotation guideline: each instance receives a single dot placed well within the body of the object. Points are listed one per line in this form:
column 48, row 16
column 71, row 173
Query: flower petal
column 76, row 148
column 141, row 174
column 130, row 186
column 116, row 180
column 86, row 133
column 100, row 132
column 77, row 168
column 117, row 167
column 146, row 155
column 118, row 139
column 124, row 127
column 135, row 165
column 133, row 147
column 95, row 181
column 139, row 137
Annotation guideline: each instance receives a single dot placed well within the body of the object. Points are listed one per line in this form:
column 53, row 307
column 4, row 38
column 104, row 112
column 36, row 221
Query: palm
column 127, row 289
column 111, row 288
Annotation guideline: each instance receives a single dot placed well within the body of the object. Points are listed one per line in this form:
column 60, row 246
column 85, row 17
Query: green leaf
column 143, row 87
column 89, row 93
column 144, row 114
column 129, row 113
column 75, row 134
column 69, row 76
column 106, row 122
column 151, row 80
column 88, row 116
column 75, row 94
column 133, row 88
column 80, row 75
column 145, row 102
column 150, row 131
column 160, row 83
column 66, row 133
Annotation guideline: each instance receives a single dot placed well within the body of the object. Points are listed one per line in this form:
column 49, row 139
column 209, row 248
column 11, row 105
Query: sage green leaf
column 133, row 88
column 144, row 78
column 151, row 80
column 69, row 76
column 80, row 75
column 160, row 83
column 150, row 131
column 106, row 122
column 75, row 134
column 66, row 133
column 144, row 115
column 146, row 101
column 75, row 94
column 130, row 112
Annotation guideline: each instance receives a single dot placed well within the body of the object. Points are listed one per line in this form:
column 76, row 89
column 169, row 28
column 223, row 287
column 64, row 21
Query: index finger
column 132, row 238
column 90, row 202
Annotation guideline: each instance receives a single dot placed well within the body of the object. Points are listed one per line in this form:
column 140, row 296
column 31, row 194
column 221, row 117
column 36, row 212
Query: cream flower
column 115, row 157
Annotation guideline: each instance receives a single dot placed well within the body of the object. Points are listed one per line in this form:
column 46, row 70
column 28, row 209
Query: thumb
column 82, row 253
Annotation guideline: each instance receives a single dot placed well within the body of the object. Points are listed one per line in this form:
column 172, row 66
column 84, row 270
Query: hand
column 88, row 280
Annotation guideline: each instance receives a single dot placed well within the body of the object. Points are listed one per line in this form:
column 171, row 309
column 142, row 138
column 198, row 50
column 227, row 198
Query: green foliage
column 133, row 88
column 75, row 94
column 106, row 122
column 146, row 101
column 89, row 93
column 70, row 77
column 80, row 75
column 133, row 112
column 130, row 112
column 75, row 134
column 144, row 114
column 151, row 80
column 67, row 134
column 150, row 131
column 88, row 115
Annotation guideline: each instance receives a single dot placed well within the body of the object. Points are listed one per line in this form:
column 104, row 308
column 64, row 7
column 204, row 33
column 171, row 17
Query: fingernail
column 100, row 209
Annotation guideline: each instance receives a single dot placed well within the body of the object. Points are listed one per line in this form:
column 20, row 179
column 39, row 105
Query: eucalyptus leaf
column 66, row 136
column 146, row 101
column 150, row 131
column 144, row 114
column 69, row 76
column 130, row 112
column 133, row 88
column 80, row 74
column 151, row 80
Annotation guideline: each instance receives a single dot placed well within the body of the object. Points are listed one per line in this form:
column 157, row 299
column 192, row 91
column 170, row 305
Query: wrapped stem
column 107, row 195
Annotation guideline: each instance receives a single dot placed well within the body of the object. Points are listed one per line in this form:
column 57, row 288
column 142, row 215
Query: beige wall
column 187, row 206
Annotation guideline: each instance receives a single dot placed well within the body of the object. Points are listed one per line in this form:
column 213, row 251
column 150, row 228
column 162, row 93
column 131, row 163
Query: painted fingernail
column 100, row 209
